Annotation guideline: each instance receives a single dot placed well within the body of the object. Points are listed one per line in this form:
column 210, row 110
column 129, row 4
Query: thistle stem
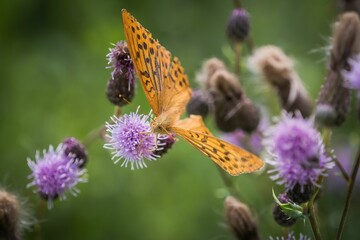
column 100, row 131
column 313, row 222
column 348, row 196
column 39, row 215
column 237, row 69
column 229, row 183
column 341, row 168
column 237, row 3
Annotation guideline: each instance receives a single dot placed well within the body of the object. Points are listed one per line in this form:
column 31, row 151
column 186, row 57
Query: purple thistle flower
column 55, row 173
column 297, row 151
column 291, row 236
column 352, row 77
column 119, row 59
column 130, row 139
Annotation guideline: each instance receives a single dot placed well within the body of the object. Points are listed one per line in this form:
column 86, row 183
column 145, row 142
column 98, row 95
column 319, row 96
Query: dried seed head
column 233, row 109
column 333, row 104
column 278, row 70
column 10, row 216
column 240, row 219
column 345, row 40
column 333, row 94
column 199, row 103
column 238, row 25
column 209, row 67
column 350, row 5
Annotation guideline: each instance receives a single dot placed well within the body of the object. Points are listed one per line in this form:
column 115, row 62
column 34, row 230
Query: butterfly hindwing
column 231, row 158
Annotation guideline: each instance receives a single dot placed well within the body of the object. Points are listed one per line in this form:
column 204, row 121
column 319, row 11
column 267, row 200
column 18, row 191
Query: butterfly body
column 167, row 90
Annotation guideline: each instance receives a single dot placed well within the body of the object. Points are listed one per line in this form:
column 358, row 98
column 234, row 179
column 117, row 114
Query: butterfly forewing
column 231, row 158
column 145, row 53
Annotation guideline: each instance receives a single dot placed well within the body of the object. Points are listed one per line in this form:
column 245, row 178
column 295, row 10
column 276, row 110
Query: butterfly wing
column 164, row 82
column 145, row 51
column 229, row 157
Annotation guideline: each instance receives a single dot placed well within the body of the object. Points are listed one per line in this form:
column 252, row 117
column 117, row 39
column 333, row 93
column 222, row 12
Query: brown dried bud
column 240, row 220
column 9, row 216
column 208, row 69
column 233, row 109
column 199, row 103
column 278, row 70
column 345, row 40
column 334, row 99
column 350, row 5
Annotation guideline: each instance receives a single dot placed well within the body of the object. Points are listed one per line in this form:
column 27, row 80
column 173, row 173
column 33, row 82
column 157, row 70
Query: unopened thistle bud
column 165, row 143
column 240, row 219
column 301, row 193
column 10, row 216
column 278, row 70
column 280, row 217
column 121, row 86
column 76, row 149
column 334, row 96
column 199, row 103
column 233, row 109
column 238, row 25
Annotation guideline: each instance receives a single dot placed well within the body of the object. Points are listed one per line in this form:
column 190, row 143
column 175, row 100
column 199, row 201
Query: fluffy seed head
column 278, row 70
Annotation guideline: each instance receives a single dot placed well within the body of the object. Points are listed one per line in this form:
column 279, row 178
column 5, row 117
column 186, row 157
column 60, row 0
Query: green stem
column 341, row 168
column 100, row 131
column 229, row 183
column 237, row 3
column 348, row 196
column 39, row 215
column 237, row 58
column 313, row 222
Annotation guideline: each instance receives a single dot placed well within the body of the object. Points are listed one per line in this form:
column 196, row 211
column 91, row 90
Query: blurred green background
column 53, row 78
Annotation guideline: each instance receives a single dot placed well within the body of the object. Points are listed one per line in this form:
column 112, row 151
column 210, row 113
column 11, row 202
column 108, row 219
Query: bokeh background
column 53, row 78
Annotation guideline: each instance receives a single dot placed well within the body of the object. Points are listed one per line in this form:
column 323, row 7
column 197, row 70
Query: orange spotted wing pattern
column 231, row 158
column 167, row 90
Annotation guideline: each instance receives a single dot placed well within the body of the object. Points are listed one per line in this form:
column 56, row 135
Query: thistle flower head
column 352, row 77
column 291, row 236
column 130, row 139
column 297, row 151
column 238, row 25
column 119, row 58
column 54, row 173
column 120, row 88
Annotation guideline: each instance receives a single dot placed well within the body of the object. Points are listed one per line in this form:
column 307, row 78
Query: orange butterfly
column 167, row 90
